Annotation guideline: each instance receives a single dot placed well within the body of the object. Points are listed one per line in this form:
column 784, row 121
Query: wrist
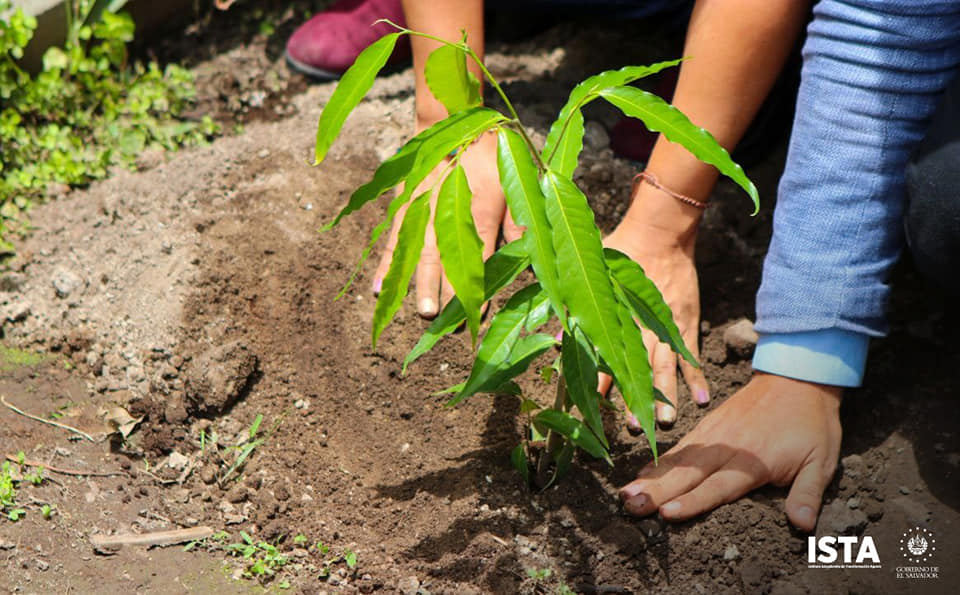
column 656, row 210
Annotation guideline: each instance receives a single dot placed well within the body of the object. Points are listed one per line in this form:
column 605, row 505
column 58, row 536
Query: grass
column 13, row 359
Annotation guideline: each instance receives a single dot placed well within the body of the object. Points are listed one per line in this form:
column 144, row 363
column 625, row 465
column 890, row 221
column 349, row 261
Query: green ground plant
column 600, row 297
column 89, row 109
column 11, row 475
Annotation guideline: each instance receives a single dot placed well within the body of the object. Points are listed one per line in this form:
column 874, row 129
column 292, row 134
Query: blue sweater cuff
column 829, row 356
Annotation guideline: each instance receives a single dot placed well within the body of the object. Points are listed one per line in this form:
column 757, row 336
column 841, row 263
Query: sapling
column 600, row 297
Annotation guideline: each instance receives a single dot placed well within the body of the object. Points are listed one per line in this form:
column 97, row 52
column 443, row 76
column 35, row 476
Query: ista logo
column 845, row 551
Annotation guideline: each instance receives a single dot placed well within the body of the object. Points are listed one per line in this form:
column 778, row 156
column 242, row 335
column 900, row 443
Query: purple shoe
column 326, row 45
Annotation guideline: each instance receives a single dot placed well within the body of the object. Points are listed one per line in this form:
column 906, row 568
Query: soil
column 197, row 293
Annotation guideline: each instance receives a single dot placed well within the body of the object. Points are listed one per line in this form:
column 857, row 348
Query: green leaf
column 417, row 158
column 559, row 146
column 646, row 301
column 528, row 405
column 659, row 116
column 564, row 159
column 449, row 80
column 518, row 457
column 579, row 366
column 589, row 294
column 460, row 246
column 498, row 376
column 412, row 163
column 501, row 350
column 404, row 263
column 499, row 271
column 540, row 313
column 572, row 428
column 635, row 380
column 521, row 187
column 353, row 85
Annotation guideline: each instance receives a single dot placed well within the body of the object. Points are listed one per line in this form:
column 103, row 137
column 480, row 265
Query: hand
column 489, row 214
column 774, row 430
column 666, row 255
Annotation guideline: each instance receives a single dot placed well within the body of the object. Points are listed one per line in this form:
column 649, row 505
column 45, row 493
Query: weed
column 12, row 474
column 11, row 358
column 89, row 108
column 47, row 511
column 600, row 297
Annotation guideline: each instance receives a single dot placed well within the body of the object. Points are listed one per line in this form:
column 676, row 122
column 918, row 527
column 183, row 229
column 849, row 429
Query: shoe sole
column 312, row 72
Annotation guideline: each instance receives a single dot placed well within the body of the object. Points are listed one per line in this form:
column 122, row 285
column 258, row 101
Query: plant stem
column 554, row 439
column 486, row 73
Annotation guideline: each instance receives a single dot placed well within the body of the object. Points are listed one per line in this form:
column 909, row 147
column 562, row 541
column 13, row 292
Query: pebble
column 65, row 282
column 42, row 565
column 408, row 586
column 904, row 490
column 740, row 337
column 843, row 520
column 853, row 503
column 6, row 545
column 595, row 137
column 731, row 553
column 208, row 474
column 263, row 154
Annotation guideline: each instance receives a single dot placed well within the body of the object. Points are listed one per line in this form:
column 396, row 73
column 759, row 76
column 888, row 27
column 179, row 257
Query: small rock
column 177, row 461
column 62, row 452
column 6, row 545
column 904, row 490
column 595, row 137
column 263, row 154
column 408, row 586
column 15, row 312
column 65, row 282
column 301, row 404
column 208, row 474
column 853, row 503
column 237, row 494
column 852, row 466
column 731, row 553
column 740, row 337
column 841, row 520
column 42, row 565
column 12, row 282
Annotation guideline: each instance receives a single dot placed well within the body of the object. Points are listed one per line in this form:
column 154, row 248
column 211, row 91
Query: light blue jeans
column 872, row 75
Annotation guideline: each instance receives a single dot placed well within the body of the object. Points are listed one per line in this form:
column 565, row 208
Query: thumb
column 803, row 502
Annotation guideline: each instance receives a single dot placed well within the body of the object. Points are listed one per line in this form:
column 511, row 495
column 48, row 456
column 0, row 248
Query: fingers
column 664, row 364
column 511, row 231
column 739, row 476
column 803, row 502
column 678, row 472
column 387, row 257
column 696, row 381
column 428, row 279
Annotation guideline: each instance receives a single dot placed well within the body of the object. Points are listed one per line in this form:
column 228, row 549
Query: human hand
column 433, row 290
column 666, row 255
column 775, row 430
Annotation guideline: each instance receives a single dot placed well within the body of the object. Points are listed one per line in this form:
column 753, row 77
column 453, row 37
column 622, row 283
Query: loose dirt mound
column 199, row 293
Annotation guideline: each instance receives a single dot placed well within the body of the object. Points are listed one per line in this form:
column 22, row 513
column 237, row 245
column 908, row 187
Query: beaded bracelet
column 651, row 179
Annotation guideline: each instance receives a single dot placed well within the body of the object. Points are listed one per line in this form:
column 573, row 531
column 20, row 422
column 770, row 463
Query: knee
column 932, row 217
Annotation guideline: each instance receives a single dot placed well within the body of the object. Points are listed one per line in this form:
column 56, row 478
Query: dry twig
column 151, row 539
column 13, row 408
column 61, row 471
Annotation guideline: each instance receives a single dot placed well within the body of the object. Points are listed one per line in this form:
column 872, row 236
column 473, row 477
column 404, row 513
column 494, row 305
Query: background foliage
column 87, row 110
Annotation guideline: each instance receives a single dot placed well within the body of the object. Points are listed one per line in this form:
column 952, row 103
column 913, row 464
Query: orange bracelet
column 651, row 179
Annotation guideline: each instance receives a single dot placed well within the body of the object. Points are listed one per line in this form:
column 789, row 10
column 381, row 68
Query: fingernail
column 428, row 306
column 633, row 423
column 631, row 491
column 667, row 415
column 635, row 505
column 806, row 516
column 377, row 286
column 671, row 508
column 702, row 397
column 559, row 336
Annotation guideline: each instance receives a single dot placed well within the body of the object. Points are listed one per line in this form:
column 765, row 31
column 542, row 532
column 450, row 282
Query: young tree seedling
column 600, row 297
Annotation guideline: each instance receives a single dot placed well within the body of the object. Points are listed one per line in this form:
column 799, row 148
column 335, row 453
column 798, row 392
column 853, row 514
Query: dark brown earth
column 201, row 296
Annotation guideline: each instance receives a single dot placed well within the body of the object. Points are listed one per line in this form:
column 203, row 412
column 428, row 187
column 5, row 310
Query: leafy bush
column 598, row 295
column 86, row 111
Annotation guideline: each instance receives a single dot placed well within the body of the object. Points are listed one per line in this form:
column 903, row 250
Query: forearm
column 445, row 19
column 735, row 49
